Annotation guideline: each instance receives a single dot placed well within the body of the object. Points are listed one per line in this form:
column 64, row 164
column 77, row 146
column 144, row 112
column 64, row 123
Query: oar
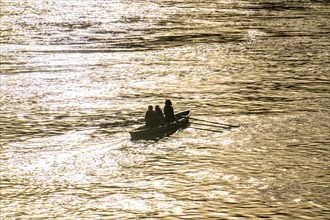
column 204, row 129
column 212, row 122
column 217, row 126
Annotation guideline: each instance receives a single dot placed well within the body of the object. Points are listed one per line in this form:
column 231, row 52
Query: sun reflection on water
column 78, row 75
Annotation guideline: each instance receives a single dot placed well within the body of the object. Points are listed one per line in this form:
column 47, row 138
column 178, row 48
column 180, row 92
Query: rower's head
column 150, row 108
column 168, row 102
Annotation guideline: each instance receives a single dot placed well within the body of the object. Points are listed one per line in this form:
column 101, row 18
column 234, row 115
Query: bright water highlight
column 76, row 76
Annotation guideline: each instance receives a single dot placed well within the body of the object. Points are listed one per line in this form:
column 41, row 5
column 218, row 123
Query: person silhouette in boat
column 150, row 117
column 159, row 116
column 169, row 112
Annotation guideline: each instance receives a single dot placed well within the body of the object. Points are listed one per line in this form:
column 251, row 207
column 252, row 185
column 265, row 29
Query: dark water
column 76, row 76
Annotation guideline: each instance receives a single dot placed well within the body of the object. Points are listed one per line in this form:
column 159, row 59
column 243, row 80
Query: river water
column 77, row 75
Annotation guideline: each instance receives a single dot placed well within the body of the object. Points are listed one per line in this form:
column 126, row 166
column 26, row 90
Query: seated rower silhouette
column 150, row 117
column 160, row 120
column 169, row 112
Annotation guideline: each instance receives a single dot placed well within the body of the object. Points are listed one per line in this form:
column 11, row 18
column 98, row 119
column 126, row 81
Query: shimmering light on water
column 76, row 76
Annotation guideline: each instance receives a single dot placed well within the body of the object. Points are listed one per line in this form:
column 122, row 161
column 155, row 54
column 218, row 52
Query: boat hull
column 141, row 133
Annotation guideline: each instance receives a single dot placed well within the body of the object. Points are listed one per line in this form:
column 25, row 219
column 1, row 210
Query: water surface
column 76, row 76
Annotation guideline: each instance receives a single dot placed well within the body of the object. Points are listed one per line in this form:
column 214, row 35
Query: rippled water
column 76, row 76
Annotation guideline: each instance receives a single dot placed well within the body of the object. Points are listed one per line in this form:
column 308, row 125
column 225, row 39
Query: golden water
column 76, row 76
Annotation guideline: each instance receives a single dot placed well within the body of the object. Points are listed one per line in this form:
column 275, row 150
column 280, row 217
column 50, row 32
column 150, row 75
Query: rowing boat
column 143, row 133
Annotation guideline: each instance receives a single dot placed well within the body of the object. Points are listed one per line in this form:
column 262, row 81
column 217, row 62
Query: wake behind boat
column 143, row 133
